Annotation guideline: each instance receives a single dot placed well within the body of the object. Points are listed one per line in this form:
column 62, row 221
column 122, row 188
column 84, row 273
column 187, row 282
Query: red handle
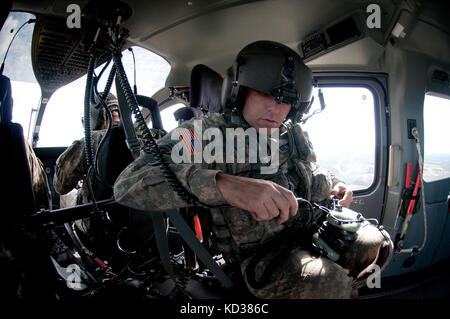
column 416, row 190
column 408, row 175
column 198, row 228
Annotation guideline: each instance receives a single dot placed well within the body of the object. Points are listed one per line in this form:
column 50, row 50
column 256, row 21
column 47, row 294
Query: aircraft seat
column 205, row 93
column 24, row 261
column 206, row 88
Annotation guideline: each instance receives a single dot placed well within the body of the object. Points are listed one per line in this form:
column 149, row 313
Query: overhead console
column 333, row 36
column 60, row 53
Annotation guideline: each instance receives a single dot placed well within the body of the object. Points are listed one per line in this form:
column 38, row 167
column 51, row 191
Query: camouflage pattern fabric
column 299, row 275
column 39, row 180
column 71, row 167
column 70, row 172
column 302, row 275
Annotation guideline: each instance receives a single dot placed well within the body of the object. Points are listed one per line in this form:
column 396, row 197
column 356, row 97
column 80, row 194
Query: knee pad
column 373, row 246
column 300, row 275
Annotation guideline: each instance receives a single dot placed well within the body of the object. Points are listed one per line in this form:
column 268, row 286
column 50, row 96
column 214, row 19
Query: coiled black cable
column 109, row 82
column 152, row 148
column 88, row 151
column 87, row 112
column 102, row 97
column 150, row 145
column 97, row 77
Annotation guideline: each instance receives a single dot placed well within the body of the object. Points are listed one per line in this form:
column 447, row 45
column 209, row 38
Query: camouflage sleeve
column 70, row 168
column 40, row 185
column 334, row 180
column 322, row 180
column 71, row 165
column 143, row 186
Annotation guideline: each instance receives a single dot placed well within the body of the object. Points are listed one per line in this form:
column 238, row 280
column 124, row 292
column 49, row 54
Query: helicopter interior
column 388, row 56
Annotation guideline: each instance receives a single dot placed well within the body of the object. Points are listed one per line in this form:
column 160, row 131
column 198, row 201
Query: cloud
column 18, row 65
column 6, row 35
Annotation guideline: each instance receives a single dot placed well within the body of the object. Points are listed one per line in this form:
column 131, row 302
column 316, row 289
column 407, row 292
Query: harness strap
column 159, row 227
column 125, row 116
column 190, row 239
column 222, row 236
column 201, row 252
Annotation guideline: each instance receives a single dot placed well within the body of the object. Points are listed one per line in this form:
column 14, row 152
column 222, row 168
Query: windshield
column 62, row 124
column 18, row 67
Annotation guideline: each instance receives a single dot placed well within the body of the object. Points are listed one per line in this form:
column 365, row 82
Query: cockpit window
column 62, row 124
column 25, row 89
column 168, row 118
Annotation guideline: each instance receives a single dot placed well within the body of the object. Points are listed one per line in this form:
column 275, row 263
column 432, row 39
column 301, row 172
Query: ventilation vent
column 332, row 37
column 59, row 54
column 440, row 77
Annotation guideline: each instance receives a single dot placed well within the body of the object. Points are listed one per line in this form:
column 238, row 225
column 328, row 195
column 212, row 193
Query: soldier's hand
column 265, row 200
column 341, row 191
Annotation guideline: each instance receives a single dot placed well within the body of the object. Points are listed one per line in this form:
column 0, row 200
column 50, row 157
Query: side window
column 343, row 135
column 436, row 112
column 25, row 89
column 62, row 123
column 167, row 117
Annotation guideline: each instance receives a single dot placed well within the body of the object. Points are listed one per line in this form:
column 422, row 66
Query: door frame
column 371, row 201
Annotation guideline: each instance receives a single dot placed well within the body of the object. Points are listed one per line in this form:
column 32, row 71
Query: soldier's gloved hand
column 265, row 200
column 341, row 191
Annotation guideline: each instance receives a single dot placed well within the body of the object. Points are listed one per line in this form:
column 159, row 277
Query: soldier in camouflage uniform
column 71, row 166
column 39, row 180
column 267, row 84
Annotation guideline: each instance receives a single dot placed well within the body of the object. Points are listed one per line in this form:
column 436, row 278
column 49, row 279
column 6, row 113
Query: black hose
column 109, row 82
column 150, row 145
column 87, row 112
column 103, row 70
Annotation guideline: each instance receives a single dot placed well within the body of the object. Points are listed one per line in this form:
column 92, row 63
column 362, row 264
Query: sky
column 336, row 133
column 18, row 65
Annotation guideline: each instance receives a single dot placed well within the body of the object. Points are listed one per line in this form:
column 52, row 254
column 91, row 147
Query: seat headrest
column 206, row 89
column 186, row 113
column 6, row 102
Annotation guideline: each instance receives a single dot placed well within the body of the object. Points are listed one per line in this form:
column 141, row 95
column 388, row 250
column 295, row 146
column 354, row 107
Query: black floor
column 430, row 283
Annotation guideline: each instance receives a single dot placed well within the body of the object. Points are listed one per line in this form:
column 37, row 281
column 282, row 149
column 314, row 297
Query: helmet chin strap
column 235, row 86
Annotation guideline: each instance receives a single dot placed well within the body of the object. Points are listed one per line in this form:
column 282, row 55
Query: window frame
column 439, row 95
column 373, row 84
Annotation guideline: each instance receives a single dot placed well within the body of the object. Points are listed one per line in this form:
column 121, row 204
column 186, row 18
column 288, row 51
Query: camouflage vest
column 237, row 235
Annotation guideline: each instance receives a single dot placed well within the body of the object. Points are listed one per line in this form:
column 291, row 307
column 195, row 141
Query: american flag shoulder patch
column 191, row 142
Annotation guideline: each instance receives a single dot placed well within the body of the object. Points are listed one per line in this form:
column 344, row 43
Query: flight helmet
column 270, row 68
column 98, row 115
